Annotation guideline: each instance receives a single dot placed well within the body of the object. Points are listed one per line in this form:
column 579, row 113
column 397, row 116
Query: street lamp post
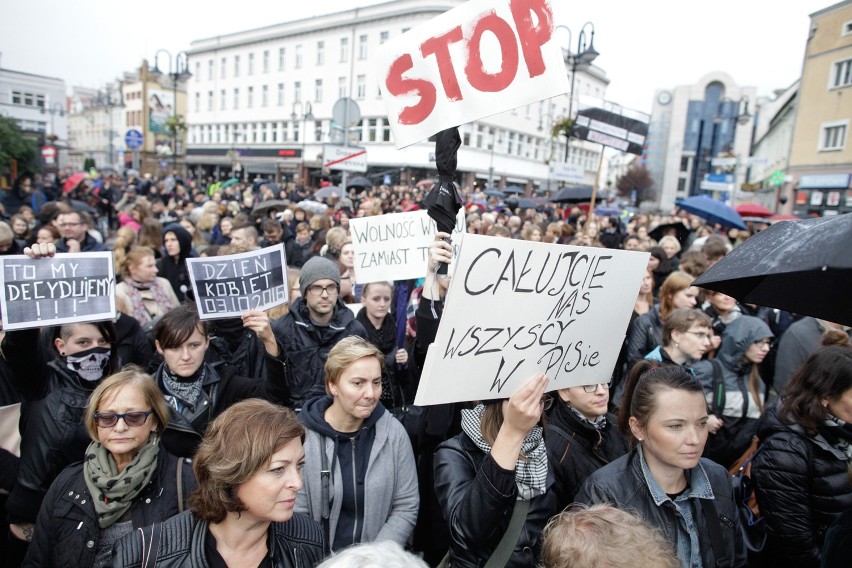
column 306, row 113
column 55, row 108
column 178, row 71
column 109, row 100
column 584, row 55
column 740, row 117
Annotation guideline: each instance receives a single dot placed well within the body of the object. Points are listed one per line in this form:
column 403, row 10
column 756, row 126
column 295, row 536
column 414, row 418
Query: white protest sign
column 478, row 59
column 515, row 308
column 348, row 158
column 227, row 286
column 395, row 246
column 68, row 288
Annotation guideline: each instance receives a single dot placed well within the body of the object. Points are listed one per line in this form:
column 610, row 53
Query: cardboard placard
column 478, row 59
column 396, row 246
column 68, row 288
column 228, row 286
column 515, row 308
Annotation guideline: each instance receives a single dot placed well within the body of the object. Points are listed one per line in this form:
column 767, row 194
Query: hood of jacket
column 738, row 336
column 313, row 416
column 183, row 237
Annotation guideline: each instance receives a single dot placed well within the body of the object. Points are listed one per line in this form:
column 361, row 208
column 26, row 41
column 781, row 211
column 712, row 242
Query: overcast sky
column 643, row 45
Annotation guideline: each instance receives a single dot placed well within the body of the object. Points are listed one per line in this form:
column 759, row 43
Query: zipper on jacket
column 354, row 490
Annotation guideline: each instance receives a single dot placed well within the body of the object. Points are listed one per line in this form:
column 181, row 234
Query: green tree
column 15, row 146
column 636, row 178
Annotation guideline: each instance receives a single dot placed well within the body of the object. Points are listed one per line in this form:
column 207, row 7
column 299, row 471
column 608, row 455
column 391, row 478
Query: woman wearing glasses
column 581, row 438
column 495, row 469
column 734, row 389
column 687, row 335
column 126, row 481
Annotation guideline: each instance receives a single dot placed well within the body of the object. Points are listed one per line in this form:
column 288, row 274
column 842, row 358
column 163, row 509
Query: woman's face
column 121, row 440
column 674, row 437
column 20, row 227
column 358, row 388
column 685, row 298
column 722, row 302
column 589, row 404
column 642, row 232
column 347, row 255
column 84, row 336
column 841, row 407
column 346, row 284
column 653, row 263
column 28, row 214
column 377, row 301
column 145, row 270
column 186, row 224
column 344, row 221
column 647, row 282
column 670, row 248
column 225, row 226
column 45, row 236
column 694, row 342
column 185, row 359
column 758, row 350
column 270, row 494
column 170, row 241
column 535, row 235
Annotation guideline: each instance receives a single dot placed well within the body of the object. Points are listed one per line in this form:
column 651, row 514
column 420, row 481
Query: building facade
column 95, row 124
column 261, row 103
column 773, row 137
column 820, row 166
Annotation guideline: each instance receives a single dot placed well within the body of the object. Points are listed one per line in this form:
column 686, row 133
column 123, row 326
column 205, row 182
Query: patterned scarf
column 530, row 474
column 839, row 434
column 113, row 492
column 599, row 423
column 140, row 313
column 188, row 389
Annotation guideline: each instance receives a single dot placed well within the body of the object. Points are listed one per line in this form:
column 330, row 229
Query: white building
column 773, row 138
column 95, row 126
column 691, row 125
column 260, row 103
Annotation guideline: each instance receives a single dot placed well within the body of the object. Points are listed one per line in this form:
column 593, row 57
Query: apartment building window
column 280, row 94
column 209, row 100
column 197, row 70
column 361, row 86
column 222, row 100
column 362, row 47
column 298, row 57
column 847, row 28
column 210, row 66
column 266, row 61
column 842, row 74
column 197, row 102
column 320, row 52
column 250, row 98
column 236, row 66
column 264, row 96
column 236, row 99
column 297, row 91
column 282, row 58
column 341, row 87
column 371, row 129
column 318, row 91
column 251, row 64
column 833, row 136
column 344, row 49
column 223, row 68
column 383, row 37
column 386, row 132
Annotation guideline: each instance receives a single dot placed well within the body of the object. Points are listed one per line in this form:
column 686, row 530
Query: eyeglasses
column 547, row 401
column 763, row 343
column 594, row 387
column 701, row 335
column 132, row 419
column 317, row 290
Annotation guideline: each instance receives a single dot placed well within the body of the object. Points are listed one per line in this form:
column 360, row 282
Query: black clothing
column 478, row 497
column 643, row 335
column 174, row 270
column 67, row 529
column 576, row 449
column 89, row 244
column 297, row 543
column 802, row 488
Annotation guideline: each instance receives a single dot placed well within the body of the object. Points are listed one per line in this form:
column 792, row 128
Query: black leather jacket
column 298, row 543
column 477, row 497
column 622, row 483
column 67, row 530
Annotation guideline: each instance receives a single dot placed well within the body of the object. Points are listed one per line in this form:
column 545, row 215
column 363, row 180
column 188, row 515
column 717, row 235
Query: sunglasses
column 132, row 419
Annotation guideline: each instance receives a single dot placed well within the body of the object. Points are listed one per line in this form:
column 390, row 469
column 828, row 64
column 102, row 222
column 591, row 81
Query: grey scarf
column 188, row 389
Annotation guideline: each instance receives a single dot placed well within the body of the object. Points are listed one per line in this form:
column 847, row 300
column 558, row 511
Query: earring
column 677, row 345
column 62, row 353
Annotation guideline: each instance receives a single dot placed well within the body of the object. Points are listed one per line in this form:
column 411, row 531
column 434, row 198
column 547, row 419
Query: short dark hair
column 272, row 225
column 235, row 447
column 178, row 325
column 682, row 319
column 825, row 374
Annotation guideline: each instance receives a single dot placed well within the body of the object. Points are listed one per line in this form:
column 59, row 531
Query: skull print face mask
column 89, row 365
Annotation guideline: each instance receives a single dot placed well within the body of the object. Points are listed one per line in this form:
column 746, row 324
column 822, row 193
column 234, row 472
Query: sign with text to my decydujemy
column 515, row 308
column 478, row 59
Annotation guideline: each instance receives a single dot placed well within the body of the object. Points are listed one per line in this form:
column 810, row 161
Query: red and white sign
column 346, row 158
column 479, row 59
column 48, row 154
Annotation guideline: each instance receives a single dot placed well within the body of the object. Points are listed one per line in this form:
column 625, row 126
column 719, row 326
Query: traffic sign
column 133, row 139
column 346, row 158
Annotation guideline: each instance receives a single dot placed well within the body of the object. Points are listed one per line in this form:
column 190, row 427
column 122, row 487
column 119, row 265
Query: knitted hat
column 318, row 268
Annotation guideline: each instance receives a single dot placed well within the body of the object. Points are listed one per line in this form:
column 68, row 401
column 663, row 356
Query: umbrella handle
column 441, row 271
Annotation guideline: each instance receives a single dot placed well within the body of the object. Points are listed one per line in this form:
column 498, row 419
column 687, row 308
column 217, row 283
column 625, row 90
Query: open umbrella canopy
column 775, row 218
column 573, row 194
column 73, row 181
column 495, row 193
column 328, row 192
column 513, row 190
column 229, row 183
column 712, row 210
column 679, row 230
column 800, row 266
column 78, row 205
column 521, row 203
column 264, row 208
column 359, row 182
column 753, row 210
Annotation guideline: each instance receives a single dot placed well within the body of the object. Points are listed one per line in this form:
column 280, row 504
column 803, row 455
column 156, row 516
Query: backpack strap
column 717, row 403
column 325, row 483
column 714, row 527
column 500, row 557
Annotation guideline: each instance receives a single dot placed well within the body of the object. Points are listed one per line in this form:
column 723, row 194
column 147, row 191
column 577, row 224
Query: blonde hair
column 346, row 352
column 130, row 375
column 133, row 258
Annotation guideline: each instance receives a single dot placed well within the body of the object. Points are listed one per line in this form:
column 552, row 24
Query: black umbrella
column 573, row 194
column 799, row 266
column 359, row 183
column 513, row 190
column 78, row 205
column 264, row 207
column 521, row 203
column 680, row 231
column 443, row 200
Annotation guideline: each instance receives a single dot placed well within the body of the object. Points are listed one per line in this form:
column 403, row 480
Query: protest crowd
column 288, row 436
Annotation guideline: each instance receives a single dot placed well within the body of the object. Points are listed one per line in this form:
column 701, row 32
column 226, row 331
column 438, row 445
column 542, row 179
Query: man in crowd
column 244, row 236
column 75, row 226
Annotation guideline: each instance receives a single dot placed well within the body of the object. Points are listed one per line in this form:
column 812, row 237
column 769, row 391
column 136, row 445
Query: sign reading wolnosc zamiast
column 68, row 288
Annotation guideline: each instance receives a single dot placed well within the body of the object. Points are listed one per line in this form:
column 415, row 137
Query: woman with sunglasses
column 495, row 469
column 582, row 437
column 734, row 389
column 126, row 481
